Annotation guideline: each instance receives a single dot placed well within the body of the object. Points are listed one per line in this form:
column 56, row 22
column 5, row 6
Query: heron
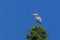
column 38, row 19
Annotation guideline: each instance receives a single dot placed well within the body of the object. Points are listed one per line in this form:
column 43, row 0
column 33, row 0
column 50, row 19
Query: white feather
column 38, row 19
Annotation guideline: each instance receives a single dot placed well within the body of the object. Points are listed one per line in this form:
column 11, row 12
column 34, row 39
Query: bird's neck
column 36, row 16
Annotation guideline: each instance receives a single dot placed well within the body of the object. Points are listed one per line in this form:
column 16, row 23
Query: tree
column 37, row 33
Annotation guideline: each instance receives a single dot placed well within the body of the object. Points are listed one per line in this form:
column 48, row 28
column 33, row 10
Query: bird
column 37, row 17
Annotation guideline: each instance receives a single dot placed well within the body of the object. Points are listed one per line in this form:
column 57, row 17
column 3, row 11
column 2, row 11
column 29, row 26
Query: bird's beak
column 33, row 14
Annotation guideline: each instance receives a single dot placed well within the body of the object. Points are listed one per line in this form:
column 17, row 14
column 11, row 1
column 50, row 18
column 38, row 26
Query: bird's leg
column 38, row 23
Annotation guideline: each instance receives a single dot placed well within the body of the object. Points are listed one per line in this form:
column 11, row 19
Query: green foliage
column 37, row 33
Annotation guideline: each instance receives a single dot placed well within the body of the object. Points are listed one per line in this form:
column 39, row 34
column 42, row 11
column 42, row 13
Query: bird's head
column 36, row 15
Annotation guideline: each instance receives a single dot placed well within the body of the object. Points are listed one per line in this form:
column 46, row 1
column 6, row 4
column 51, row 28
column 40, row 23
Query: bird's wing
column 38, row 19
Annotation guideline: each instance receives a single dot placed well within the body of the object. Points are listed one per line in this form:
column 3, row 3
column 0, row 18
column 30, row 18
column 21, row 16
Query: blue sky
column 16, row 18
